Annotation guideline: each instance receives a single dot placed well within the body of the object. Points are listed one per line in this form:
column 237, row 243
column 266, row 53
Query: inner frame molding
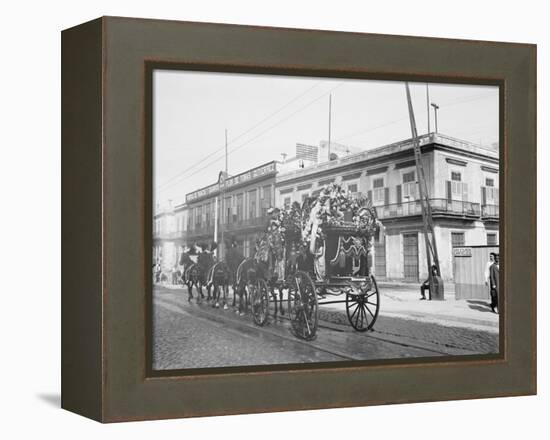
column 105, row 320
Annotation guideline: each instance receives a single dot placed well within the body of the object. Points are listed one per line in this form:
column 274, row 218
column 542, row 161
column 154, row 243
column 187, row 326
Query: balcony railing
column 247, row 223
column 161, row 235
column 490, row 211
column 232, row 226
column 439, row 207
column 201, row 230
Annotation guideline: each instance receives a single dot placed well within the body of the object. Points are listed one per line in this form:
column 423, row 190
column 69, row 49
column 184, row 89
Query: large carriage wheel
column 302, row 306
column 259, row 295
column 362, row 309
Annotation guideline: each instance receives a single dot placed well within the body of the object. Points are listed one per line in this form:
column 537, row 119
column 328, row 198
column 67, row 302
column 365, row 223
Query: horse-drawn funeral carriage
column 318, row 253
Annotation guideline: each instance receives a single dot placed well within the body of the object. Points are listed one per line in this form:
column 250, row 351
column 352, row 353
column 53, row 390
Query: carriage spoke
column 364, row 316
column 357, row 317
column 370, row 312
column 355, row 311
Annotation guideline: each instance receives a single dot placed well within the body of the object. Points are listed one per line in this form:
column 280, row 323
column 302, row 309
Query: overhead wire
column 165, row 183
column 279, row 122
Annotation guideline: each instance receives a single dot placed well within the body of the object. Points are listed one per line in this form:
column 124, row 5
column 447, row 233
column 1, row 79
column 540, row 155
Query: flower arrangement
column 333, row 207
column 337, row 207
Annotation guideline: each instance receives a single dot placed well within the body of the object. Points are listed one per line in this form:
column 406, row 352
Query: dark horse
column 207, row 273
column 234, row 258
column 191, row 273
column 218, row 277
column 248, row 272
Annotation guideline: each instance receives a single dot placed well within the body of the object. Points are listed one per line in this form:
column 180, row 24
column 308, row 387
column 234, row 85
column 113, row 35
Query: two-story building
column 462, row 181
column 235, row 206
column 169, row 235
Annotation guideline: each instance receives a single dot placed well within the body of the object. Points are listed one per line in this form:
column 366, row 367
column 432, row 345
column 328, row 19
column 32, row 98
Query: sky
column 266, row 115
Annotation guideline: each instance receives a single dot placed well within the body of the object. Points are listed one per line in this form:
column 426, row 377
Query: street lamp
column 436, row 108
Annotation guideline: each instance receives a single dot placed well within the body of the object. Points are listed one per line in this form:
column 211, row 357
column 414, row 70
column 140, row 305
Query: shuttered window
column 198, row 216
column 378, row 191
column 266, row 199
column 398, row 194
column 410, row 186
column 457, row 239
column 252, row 213
column 456, row 189
column 489, row 195
column 240, row 206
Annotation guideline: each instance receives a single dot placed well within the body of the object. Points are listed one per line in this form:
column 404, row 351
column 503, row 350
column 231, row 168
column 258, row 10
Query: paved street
column 188, row 335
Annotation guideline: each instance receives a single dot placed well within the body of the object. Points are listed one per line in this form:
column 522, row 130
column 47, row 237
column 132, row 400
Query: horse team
column 202, row 270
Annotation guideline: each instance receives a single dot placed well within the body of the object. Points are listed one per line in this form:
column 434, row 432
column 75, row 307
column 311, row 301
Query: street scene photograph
column 303, row 220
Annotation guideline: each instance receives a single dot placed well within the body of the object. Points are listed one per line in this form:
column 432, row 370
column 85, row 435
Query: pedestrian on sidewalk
column 426, row 284
column 494, row 282
column 487, row 269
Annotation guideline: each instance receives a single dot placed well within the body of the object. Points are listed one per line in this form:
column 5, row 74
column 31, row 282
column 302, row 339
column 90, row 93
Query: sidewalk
column 402, row 300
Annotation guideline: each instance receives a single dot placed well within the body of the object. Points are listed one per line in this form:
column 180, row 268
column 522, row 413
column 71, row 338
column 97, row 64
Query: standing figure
column 319, row 262
column 494, row 282
column 487, row 269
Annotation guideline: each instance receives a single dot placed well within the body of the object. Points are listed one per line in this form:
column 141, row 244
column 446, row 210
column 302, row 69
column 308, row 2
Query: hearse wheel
column 302, row 306
column 362, row 308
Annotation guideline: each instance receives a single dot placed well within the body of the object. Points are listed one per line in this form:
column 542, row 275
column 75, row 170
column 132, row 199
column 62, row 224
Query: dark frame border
column 281, row 71
column 103, row 339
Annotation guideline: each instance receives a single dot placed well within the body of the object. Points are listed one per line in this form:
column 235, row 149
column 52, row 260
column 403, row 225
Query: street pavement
column 189, row 335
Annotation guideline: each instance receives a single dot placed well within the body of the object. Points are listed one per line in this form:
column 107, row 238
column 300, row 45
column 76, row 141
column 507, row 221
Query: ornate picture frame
column 107, row 206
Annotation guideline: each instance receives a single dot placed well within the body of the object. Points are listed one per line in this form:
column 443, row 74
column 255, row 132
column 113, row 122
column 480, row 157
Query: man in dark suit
column 494, row 282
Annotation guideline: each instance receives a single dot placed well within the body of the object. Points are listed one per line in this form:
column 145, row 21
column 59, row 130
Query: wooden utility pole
column 429, row 234
column 222, row 204
column 329, row 122
column 428, row 105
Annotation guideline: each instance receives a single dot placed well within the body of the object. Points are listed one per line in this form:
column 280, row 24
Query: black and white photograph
column 275, row 220
column 300, row 220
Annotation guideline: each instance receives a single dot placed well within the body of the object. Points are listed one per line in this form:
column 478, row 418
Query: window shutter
column 497, row 198
column 464, row 192
column 386, row 196
column 369, row 195
column 449, row 192
column 483, row 195
column 398, row 193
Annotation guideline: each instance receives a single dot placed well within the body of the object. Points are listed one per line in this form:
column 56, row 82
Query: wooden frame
column 106, row 210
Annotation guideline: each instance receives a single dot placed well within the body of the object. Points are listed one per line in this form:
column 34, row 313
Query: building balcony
column 172, row 235
column 440, row 208
column 255, row 222
column 490, row 212
column 199, row 231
